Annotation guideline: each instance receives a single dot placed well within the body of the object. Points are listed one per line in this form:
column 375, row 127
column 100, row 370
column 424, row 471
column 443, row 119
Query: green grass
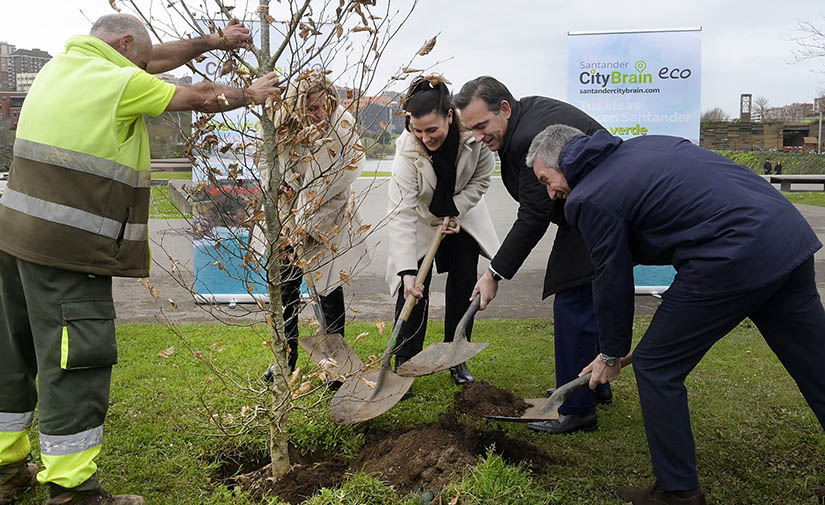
column 161, row 206
column 757, row 441
column 807, row 198
column 376, row 173
column 172, row 175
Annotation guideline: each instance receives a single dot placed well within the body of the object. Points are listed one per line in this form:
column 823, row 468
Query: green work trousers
column 59, row 326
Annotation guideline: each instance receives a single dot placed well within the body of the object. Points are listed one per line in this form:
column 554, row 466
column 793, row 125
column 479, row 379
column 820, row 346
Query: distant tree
column 811, row 40
column 760, row 106
column 714, row 115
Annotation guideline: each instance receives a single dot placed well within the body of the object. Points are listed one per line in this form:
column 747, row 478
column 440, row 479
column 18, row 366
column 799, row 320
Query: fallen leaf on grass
column 166, row 353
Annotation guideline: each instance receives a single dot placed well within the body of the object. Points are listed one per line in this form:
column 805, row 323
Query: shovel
column 444, row 355
column 370, row 393
column 329, row 351
column 545, row 409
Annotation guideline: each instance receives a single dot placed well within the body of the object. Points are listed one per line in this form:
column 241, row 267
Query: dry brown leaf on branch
column 410, row 70
column 344, row 278
column 363, row 229
column 144, row 282
column 225, row 148
column 198, row 354
column 380, row 325
column 356, row 310
column 173, row 303
column 363, row 29
column 368, row 383
column 339, row 30
column 112, row 4
column 154, row 292
column 226, row 67
column 200, row 59
column 166, row 353
column 383, row 125
column 269, row 19
column 294, row 376
column 428, row 46
column 352, row 167
column 303, row 388
column 360, row 336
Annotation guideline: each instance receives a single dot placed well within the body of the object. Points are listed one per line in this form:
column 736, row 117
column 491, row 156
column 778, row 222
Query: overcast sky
column 746, row 44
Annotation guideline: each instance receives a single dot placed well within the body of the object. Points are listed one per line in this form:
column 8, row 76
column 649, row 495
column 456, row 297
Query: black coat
column 660, row 200
column 569, row 264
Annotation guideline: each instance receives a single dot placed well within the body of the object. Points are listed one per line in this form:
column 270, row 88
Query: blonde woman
column 439, row 172
column 317, row 149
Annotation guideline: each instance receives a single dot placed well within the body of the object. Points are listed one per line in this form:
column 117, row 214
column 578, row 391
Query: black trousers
column 458, row 256
column 332, row 306
column 789, row 315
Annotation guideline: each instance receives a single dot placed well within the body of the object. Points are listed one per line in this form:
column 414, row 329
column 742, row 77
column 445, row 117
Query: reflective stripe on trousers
column 14, row 436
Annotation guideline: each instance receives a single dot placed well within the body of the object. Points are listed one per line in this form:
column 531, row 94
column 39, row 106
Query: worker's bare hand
column 263, row 88
column 486, row 287
column 411, row 288
column 235, row 36
column 450, row 225
column 602, row 374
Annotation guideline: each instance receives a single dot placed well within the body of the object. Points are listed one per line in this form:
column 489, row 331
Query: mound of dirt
column 483, row 399
column 424, row 458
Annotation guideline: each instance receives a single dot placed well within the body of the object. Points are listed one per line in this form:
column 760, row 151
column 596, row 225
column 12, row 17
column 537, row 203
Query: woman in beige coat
column 439, row 171
column 321, row 156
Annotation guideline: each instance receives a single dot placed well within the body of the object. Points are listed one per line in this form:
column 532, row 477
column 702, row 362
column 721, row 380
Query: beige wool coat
column 411, row 190
column 323, row 223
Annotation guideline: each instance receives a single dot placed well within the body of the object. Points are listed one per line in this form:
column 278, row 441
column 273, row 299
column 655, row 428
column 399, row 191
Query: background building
column 24, row 81
column 23, row 61
column 6, row 83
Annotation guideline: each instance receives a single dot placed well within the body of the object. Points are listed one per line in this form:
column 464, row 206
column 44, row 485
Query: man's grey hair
column 549, row 142
column 111, row 27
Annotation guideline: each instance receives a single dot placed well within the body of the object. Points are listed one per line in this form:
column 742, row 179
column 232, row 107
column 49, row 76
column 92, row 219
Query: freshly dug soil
column 483, row 399
column 424, row 458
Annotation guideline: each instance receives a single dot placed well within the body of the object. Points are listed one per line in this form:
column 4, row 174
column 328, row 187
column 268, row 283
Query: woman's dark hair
column 427, row 94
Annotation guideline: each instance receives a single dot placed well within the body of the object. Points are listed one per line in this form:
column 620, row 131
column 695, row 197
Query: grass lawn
column 757, row 441
column 807, row 198
column 172, row 175
column 161, row 207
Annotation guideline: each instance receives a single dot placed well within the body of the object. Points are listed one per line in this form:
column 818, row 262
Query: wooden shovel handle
column 409, row 303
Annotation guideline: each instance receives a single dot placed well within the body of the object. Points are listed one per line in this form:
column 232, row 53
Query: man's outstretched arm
column 170, row 55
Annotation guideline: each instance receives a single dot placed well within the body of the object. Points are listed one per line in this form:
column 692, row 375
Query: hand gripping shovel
column 443, row 355
column 329, row 351
column 545, row 409
column 370, row 393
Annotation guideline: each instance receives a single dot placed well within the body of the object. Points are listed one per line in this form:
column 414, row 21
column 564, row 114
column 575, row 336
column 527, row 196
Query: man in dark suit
column 508, row 126
column 740, row 250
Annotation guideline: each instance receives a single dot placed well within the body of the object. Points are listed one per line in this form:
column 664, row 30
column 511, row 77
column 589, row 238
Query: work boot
column 461, row 375
column 100, row 497
column 16, row 479
column 819, row 492
column 654, row 495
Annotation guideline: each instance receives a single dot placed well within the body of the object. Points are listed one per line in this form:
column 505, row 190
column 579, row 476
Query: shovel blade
column 440, row 356
column 366, row 395
column 541, row 409
column 332, row 353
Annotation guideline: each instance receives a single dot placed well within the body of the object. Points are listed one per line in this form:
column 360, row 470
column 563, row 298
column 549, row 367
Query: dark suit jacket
column 569, row 264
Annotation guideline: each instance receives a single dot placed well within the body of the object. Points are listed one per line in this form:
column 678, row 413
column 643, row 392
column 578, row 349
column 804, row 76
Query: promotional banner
column 642, row 82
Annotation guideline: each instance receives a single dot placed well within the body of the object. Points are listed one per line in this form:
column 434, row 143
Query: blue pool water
column 653, row 275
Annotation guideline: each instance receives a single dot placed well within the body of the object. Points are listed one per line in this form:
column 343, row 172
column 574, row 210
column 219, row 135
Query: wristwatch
column 496, row 277
column 609, row 360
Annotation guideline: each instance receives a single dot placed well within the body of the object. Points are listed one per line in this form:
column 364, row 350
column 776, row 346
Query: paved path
column 518, row 298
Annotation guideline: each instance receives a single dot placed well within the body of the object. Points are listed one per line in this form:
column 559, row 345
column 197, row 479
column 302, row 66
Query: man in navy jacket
column 740, row 250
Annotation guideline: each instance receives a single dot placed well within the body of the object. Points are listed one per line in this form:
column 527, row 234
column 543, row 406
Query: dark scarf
column 444, row 159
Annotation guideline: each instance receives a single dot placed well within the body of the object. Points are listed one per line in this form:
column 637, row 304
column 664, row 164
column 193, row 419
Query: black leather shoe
column 604, row 396
column 461, row 375
column 566, row 424
column 654, row 495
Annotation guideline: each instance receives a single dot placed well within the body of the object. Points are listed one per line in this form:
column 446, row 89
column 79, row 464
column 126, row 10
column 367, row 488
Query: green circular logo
column 592, row 71
column 641, row 66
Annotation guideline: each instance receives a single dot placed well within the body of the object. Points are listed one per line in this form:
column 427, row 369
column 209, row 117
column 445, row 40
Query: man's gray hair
column 111, row 27
column 549, row 143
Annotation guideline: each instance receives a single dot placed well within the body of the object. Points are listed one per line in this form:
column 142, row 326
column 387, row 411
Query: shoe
column 819, row 492
column 654, row 495
column 17, row 479
column 604, row 396
column 461, row 375
column 566, row 424
column 95, row 498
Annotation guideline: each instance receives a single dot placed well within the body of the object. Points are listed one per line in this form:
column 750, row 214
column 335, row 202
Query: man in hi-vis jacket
column 75, row 214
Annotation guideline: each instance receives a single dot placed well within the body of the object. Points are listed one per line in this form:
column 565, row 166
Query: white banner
column 638, row 83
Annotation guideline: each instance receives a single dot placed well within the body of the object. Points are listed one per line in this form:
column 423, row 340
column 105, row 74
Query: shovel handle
column 461, row 329
column 319, row 312
column 409, row 302
column 563, row 391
